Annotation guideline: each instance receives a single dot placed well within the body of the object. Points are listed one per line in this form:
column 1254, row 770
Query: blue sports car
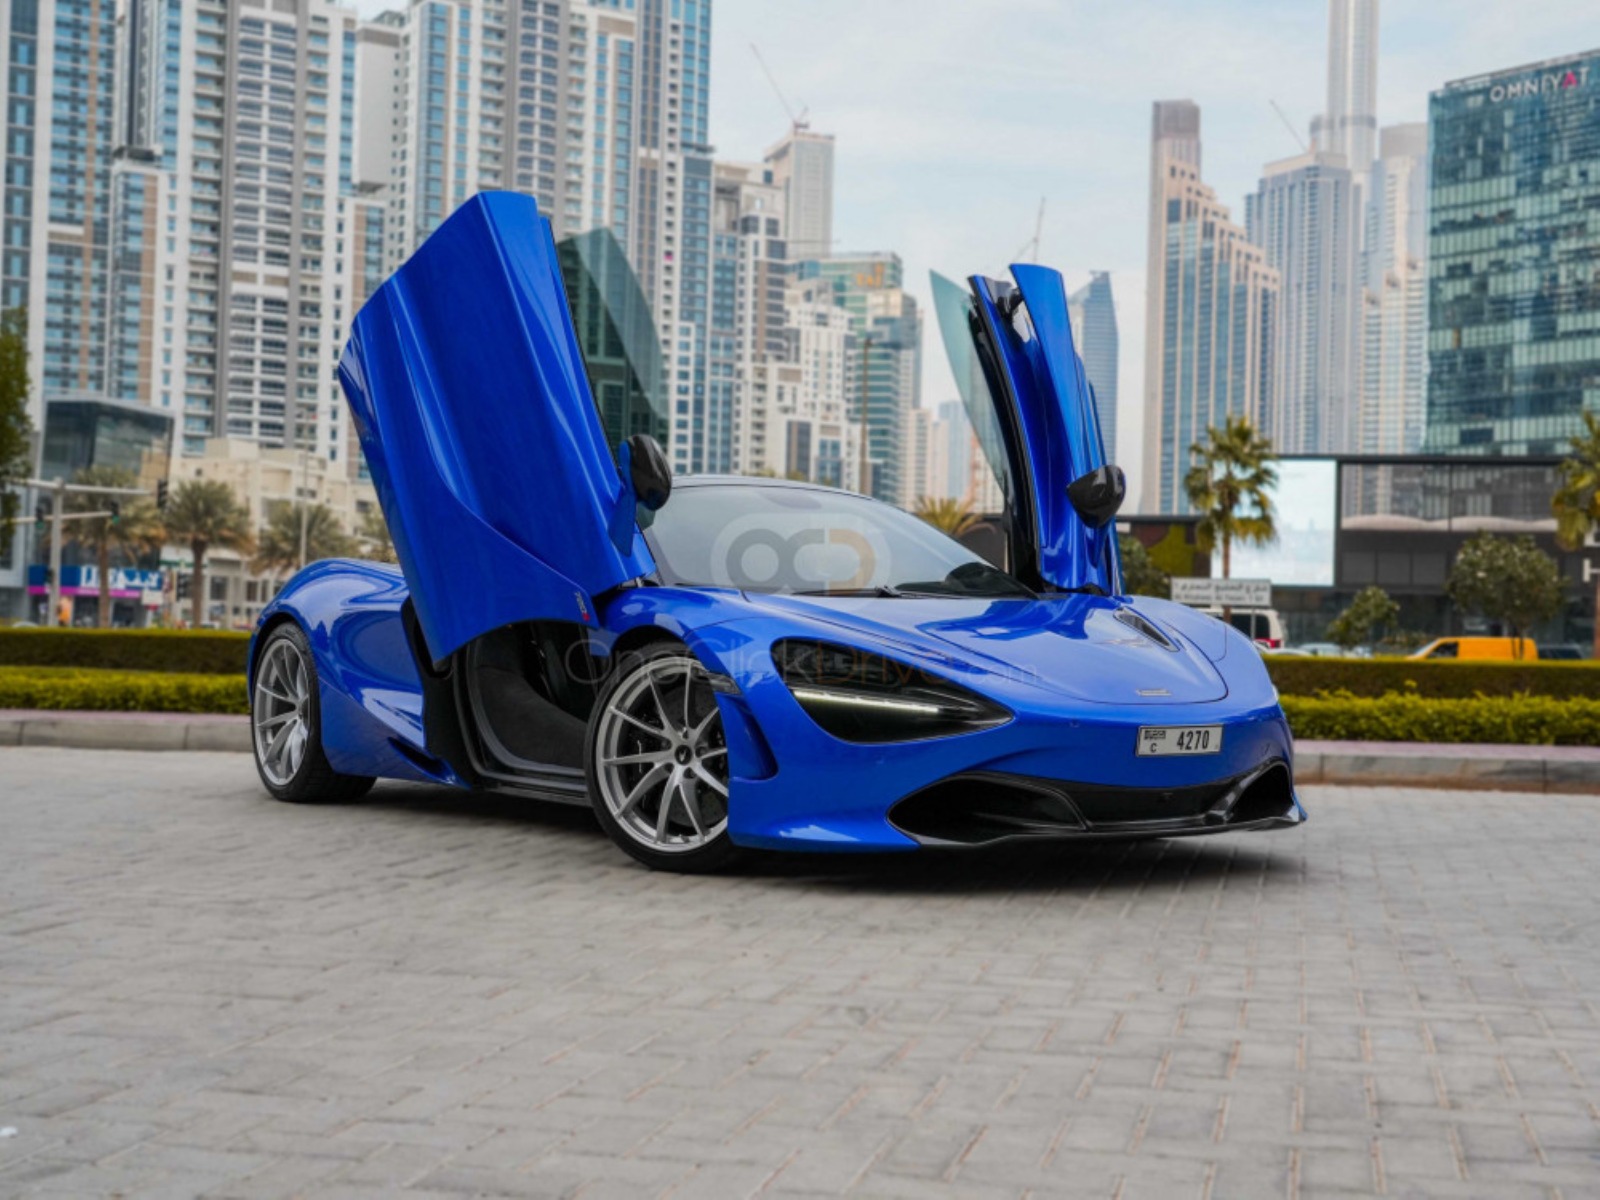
column 719, row 663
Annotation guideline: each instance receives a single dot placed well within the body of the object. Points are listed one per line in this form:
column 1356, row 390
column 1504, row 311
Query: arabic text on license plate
column 1180, row 739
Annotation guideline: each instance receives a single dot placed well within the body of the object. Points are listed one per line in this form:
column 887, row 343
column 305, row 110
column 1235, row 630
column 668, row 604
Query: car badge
column 1154, row 692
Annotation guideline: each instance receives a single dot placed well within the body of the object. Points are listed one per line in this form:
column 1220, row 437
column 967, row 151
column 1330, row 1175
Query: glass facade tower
column 1513, row 237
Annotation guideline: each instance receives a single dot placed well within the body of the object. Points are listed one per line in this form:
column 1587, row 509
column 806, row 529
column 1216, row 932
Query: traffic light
column 41, row 516
column 115, row 509
column 161, row 495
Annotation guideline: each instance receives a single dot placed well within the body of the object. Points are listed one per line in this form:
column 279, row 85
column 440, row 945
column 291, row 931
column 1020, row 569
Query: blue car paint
column 473, row 409
column 795, row 787
column 506, row 506
column 1054, row 411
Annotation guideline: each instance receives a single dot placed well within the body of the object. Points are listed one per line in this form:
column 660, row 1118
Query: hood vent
column 1150, row 630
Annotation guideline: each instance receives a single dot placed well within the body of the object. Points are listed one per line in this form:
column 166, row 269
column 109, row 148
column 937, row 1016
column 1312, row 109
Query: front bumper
column 984, row 808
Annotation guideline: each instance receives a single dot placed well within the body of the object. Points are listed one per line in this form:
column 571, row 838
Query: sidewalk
column 1573, row 769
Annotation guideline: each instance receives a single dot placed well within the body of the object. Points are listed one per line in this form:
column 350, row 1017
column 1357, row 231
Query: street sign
column 1223, row 593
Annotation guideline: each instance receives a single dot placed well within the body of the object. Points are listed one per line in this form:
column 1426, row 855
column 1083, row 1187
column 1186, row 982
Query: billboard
column 1306, row 503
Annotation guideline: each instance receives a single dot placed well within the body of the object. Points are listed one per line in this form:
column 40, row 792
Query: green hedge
column 1434, row 678
column 121, row 691
column 183, row 651
column 1516, row 720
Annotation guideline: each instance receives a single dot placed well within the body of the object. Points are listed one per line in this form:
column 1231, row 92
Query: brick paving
column 203, row 992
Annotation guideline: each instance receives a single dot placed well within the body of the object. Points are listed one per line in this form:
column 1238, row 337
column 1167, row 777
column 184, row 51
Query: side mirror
column 649, row 471
column 1098, row 495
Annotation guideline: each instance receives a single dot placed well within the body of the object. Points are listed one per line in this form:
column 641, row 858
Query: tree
column 954, row 517
column 1230, row 486
column 1576, row 504
column 377, row 542
column 278, row 548
column 135, row 529
column 1369, row 617
column 205, row 513
column 14, row 424
column 1140, row 575
column 1509, row 580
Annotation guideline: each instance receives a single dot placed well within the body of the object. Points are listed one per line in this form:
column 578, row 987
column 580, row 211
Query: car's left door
column 475, row 414
column 1023, row 383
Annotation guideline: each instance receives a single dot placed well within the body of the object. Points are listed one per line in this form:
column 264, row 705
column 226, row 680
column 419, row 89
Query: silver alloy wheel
column 662, row 765
column 281, row 712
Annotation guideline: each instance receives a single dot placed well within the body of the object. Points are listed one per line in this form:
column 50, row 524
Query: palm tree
column 948, row 515
column 278, row 548
column 136, row 528
column 377, row 541
column 1576, row 504
column 1230, row 487
column 205, row 513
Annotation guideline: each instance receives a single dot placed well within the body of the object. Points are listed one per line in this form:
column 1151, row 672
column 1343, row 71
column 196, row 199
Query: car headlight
column 858, row 696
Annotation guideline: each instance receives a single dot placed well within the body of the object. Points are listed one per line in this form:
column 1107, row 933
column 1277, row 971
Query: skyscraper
column 238, row 249
column 1394, row 295
column 1514, row 233
column 1094, row 326
column 886, row 377
column 746, row 333
column 1304, row 217
column 1209, row 325
column 802, row 165
column 1348, row 125
column 58, row 71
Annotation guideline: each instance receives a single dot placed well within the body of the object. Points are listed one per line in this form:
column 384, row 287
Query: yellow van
column 1480, row 648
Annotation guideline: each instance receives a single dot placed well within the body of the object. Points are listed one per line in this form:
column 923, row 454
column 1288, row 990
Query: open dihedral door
column 1023, row 385
column 483, row 439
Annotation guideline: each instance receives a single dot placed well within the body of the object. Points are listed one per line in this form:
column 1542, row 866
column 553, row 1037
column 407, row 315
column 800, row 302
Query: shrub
column 121, row 691
column 1438, row 679
column 198, row 652
column 1515, row 720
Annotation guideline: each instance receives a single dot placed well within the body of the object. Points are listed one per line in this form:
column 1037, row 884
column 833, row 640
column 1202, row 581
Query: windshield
column 810, row 541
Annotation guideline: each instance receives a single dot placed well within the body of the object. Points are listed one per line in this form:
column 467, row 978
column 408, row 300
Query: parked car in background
column 1564, row 651
column 1480, row 648
column 1331, row 650
column 1263, row 626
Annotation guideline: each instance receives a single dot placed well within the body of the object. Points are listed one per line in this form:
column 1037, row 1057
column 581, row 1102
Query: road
column 205, row 992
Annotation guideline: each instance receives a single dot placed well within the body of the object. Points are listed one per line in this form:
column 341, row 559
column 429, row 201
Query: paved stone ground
column 205, row 992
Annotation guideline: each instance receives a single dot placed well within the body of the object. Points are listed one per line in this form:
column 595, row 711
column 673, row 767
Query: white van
column 1262, row 626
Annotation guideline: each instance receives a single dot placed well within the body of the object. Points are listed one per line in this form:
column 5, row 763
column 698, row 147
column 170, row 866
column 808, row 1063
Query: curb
column 125, row 731
column 1571, row 770
column 1475, row 769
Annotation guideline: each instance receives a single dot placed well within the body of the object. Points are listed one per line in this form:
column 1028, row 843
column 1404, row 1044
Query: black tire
column 664, row 676
column 277, row 701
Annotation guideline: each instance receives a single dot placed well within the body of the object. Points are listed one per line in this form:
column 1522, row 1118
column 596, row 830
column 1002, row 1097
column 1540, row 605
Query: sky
column 953, row 118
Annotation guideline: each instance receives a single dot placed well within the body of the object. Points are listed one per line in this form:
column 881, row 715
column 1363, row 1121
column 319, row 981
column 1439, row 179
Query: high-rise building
column 802, row 165
column 1348, row 126
column 886, row 377
column 746, row 333
column 58, row 75
column 239, row 247
column 815, row 438
column 1304, row 217
column 1513, row 236
column 1094, row 327
column 1394, row 295
column 1209, row 326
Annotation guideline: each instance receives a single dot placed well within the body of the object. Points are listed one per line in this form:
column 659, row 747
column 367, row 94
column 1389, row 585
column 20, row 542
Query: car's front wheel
column 286, row 725
column 657, row 762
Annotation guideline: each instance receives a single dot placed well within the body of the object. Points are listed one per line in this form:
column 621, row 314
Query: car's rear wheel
column 286, row 725
column 657, row 762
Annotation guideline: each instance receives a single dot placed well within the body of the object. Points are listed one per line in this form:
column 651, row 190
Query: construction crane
column 1030, row 248
column 796, row 122
column 1289, row 125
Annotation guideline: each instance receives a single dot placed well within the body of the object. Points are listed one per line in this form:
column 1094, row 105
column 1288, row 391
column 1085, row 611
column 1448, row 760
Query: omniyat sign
column 1536, row 85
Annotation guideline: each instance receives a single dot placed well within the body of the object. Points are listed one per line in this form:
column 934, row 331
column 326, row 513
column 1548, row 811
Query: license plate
column 1180, row 739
